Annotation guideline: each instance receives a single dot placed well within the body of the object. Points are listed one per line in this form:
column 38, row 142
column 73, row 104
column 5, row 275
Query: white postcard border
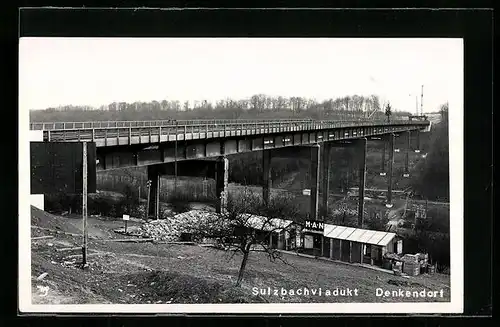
column 456, row 145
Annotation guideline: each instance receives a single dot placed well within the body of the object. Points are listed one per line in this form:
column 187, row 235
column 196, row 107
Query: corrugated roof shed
column 360, row 235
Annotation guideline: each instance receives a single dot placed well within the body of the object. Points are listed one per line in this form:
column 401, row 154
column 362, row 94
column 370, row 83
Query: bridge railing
column 206, row 130
column 170, row 123
column 145, row 123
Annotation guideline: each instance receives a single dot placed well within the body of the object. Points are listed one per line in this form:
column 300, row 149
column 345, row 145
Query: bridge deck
column 168, row 131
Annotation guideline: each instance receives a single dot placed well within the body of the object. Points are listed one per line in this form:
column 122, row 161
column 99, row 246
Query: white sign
column 306, row 191
column 396, row 150
column 314, row 225
column 399, row 247
column 308, row 241
column 126, row 217
column 298, row 240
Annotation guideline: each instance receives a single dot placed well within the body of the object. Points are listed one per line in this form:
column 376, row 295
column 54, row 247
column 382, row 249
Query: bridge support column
column 314, row 181
column 266, row 177
column 325, row 177
column 362, row 177
column 221, row 182
column 406, row 172
column 389, row 175
column 154, row 199
column 417, row 137
column 382, row 168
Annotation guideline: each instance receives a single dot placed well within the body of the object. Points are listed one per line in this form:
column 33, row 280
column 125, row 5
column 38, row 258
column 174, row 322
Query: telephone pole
column 422, row 102
column 148, row 185
column 84, row 205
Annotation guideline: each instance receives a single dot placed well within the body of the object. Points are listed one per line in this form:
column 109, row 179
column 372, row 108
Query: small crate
column 413, row 258
column 412, row 271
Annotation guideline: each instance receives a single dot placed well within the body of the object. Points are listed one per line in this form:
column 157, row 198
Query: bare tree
column 388, row 111
column 247, row 225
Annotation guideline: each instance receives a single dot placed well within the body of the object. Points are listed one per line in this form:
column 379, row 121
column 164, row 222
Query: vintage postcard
column 241, row 175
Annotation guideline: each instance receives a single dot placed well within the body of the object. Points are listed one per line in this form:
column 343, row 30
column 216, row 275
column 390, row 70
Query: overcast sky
column 97, row 71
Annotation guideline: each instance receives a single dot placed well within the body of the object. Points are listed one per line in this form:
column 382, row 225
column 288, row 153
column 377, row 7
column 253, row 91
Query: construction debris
column 80, row 255
column 69, row 249
column 42, row 276
column 134, row 240
column 42, row 237
column 169, row 229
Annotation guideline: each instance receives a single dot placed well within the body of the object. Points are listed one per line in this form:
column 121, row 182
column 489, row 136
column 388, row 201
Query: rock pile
column 171, row 228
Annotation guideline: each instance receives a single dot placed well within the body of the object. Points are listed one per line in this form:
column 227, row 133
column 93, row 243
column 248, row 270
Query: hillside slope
column 149, row 273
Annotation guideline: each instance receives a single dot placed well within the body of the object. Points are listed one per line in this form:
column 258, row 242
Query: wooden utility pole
column 84, row 205
column 422, row 102
column 148, row 184
column 175, row 156
column 362, row 178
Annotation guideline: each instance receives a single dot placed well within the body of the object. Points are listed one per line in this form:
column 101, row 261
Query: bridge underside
column 115, row 155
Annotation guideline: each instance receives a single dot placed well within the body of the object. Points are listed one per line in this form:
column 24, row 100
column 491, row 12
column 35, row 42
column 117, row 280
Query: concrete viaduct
column 200, row 147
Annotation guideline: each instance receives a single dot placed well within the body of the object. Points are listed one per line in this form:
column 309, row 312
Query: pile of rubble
column 171, row 228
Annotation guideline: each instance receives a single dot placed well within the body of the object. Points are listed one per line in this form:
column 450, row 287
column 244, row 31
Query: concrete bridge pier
column 221, row 183
column 314, row 181
column 389, row 203
column 154, row 195
column 361, row 147
column 406, row 172
column 417, row 139
column 325, row 156
column 266, row 177
column 382, row 168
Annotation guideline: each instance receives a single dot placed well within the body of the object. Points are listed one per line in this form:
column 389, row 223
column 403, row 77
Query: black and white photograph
column 241, row 174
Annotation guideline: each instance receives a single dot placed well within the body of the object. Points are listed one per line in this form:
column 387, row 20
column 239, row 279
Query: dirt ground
column 123, row 272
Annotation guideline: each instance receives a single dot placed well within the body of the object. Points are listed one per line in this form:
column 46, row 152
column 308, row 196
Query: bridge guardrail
column 144, row 123
column 158, row 123
column 250, row 128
